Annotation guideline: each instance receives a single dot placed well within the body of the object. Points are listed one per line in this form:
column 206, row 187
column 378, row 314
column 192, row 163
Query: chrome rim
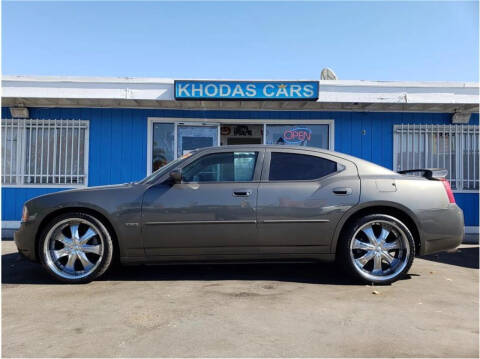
column 379, row 250
column 74, row 248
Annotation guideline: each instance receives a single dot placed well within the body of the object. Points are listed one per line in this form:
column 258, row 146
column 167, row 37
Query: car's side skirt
column 231, row 258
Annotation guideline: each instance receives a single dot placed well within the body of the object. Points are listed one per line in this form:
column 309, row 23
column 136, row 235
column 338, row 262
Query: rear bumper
column 25, row 240
column 441, row 229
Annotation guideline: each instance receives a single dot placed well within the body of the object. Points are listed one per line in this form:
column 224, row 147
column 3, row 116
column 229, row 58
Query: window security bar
column 44, row 152
column 454, row 147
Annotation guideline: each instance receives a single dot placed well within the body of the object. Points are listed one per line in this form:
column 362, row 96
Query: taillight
column 446, row 184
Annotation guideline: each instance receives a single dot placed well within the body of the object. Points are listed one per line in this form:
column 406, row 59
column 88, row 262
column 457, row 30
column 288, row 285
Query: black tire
column 103, row 237
column 347, row 251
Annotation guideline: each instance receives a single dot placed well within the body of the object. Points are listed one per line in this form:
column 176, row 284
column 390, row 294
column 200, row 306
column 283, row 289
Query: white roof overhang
column 334, row 95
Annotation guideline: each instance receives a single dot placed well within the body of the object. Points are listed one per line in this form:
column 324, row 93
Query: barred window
column 454, row 147
column 44, row 152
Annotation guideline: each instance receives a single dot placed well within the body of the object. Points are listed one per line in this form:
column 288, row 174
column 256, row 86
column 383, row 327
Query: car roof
column 364, row 167
column 278, row 147
column 258, row 146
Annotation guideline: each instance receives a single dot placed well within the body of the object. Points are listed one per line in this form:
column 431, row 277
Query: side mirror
column 176, row 176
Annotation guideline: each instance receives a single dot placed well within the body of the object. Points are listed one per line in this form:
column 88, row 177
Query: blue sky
column 428, row 41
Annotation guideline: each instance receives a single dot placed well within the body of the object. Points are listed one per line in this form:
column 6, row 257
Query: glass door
column 193, row 136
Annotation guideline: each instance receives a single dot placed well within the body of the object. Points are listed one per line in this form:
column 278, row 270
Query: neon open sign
column 297, row 135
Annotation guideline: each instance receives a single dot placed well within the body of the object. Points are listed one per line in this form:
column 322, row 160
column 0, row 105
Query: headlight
column 24, row 214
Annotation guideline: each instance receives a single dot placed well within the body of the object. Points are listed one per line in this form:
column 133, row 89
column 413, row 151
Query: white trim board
column 66, row 91
column 53, row 186
column 472, row 230
column 165, row 80
column 10, row 224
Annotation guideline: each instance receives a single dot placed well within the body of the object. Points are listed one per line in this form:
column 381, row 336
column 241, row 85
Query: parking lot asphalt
column 254, row 310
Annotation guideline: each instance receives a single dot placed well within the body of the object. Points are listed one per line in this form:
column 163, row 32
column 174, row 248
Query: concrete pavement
column 271, row 310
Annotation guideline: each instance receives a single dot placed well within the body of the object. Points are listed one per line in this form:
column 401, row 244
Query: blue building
column 62, row 132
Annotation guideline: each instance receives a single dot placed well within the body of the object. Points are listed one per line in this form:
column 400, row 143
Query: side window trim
column 266, row 166
column 268, row 157
column 256, row 174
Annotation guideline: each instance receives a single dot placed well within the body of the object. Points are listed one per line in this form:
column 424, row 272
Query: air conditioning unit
column 19, row 112
column 461, row 117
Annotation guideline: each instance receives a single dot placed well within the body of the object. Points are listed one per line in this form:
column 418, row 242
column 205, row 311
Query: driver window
column 222, row 167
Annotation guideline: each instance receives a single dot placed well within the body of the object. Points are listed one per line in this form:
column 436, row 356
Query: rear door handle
column 342, row 191
column 242, row 193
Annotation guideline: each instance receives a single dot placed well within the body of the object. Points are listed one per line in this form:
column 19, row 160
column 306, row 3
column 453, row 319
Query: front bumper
column 441, row 229
column 25, row 240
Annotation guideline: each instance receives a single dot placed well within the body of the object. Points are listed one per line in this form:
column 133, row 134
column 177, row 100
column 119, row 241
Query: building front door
column 191, row 137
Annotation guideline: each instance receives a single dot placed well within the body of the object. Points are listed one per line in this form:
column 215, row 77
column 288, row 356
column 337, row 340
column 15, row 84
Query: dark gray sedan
column 248, row 203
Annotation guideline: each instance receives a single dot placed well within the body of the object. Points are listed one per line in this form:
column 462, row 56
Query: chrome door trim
column 295, row 221
column 203, row 222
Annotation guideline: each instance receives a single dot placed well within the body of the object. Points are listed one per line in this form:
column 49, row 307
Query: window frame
column 219, row 121
column 430, row 129
column 22, row 150
column 268, row 157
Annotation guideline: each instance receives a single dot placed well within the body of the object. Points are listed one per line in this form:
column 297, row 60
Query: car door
column 302, row 196
column 213, row 209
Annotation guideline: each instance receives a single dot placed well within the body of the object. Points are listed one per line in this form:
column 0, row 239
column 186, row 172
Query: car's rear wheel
column 377, row 249
column 76, row 248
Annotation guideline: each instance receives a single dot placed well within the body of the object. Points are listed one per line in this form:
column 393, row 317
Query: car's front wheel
column 76, row 248
column 377, row 249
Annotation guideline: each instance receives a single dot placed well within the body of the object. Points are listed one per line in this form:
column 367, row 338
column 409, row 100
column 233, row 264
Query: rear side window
column 294, row 167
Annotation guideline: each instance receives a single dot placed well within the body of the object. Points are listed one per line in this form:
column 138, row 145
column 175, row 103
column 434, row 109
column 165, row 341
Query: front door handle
column 242, row 193
column 342, row 191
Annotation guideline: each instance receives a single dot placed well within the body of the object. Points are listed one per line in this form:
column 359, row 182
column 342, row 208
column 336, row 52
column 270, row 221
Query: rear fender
column 373, row 206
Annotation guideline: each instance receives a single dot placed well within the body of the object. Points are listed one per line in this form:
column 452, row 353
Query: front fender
column 120, row 206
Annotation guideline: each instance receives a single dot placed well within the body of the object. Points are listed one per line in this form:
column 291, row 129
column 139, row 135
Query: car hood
column 81, row 192
column 101, row 188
